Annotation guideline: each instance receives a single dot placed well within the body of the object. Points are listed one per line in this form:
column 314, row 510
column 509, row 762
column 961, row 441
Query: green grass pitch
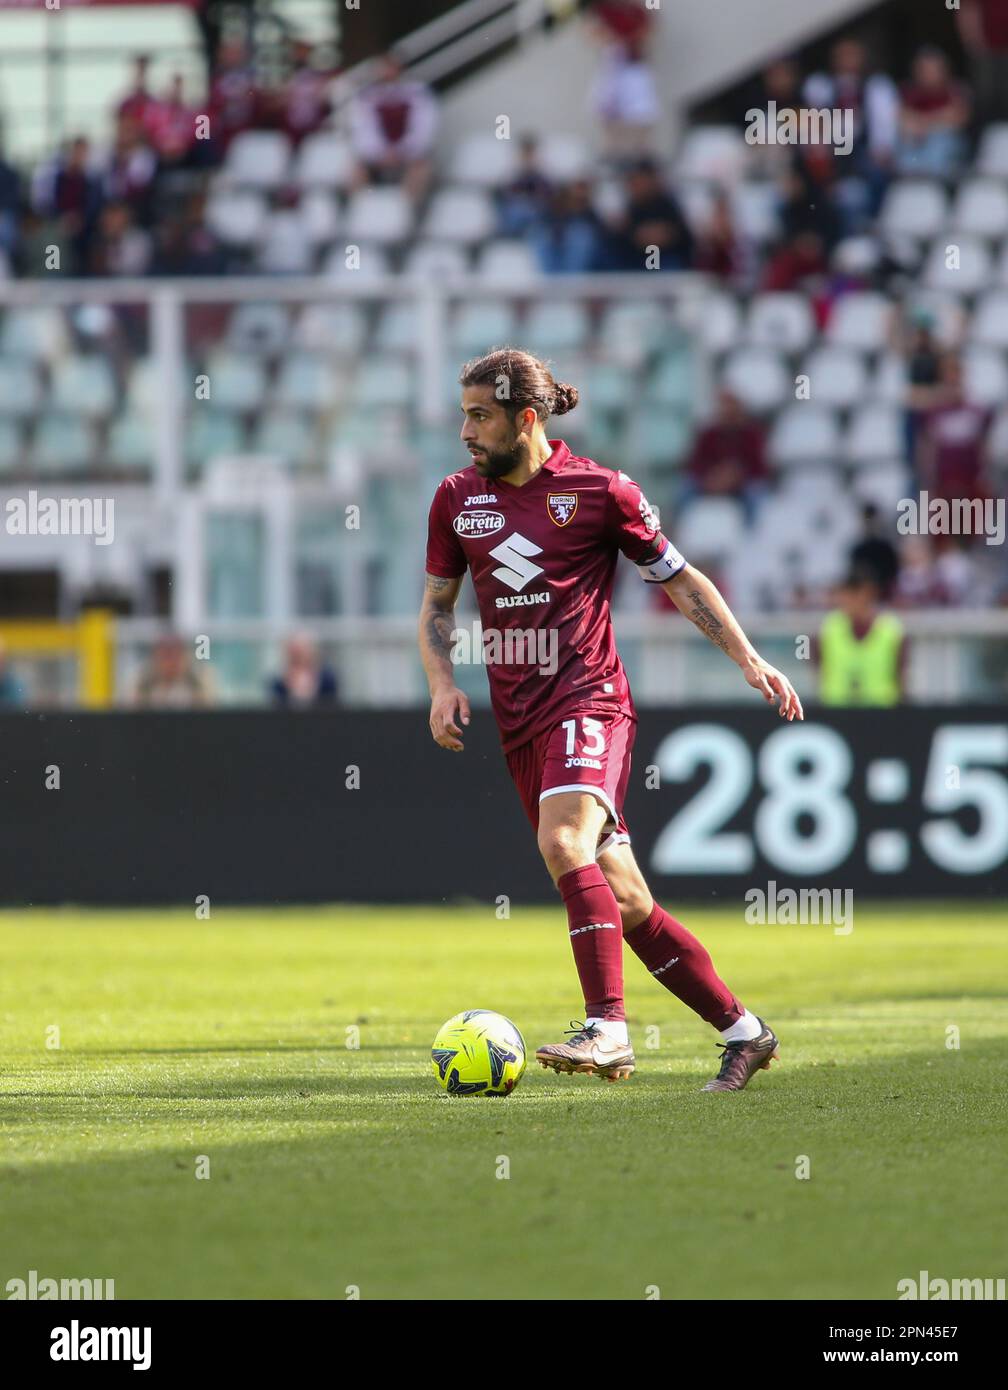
column 333, row 1168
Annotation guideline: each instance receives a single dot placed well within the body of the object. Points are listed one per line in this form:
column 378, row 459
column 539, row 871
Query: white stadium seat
column 755, row 209
column 717, row 152
column 460, row 214
column 989, row 325
column 320, row 216
column 369, row 262
column 875, row 432
column 236, row 216
column 980, row 209
column 781, row 321
column 916, row 208
column 382, row 215
column 803, row 433
column 631, row 331
column 970, row 270
column 339, row 329
column 308, row 382
column 285, row 247
column 84, row 385
column 482, row 160
column 324, row 161
column 259, row 328
column 20, row 387
column 434, row 260
column 992, row 155
column 860, row 320
column 236, row 381
column 758, row 377
column 889, row 382
column 985, row 377
column 559, row 325
column 710, row 527
column 399, row 327
column 714, row 320
column 837, row 376
column 479, row 325
column 563, row 157
column 507, row 261
column 258, row 159
column 37, row 333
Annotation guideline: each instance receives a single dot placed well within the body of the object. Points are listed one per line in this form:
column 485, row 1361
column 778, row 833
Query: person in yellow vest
column 861, row 651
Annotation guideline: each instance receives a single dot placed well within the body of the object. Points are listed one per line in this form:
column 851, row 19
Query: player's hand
column 449, row 710
column 775, row 688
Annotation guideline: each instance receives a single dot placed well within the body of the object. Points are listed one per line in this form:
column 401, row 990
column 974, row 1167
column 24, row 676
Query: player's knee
column 563, row 847
column 632, row 898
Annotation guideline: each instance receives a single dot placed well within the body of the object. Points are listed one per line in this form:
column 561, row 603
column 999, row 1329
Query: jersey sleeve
column 634, row 528
column 445, row 556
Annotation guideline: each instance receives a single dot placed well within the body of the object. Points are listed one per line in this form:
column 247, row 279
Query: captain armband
column 663, row 567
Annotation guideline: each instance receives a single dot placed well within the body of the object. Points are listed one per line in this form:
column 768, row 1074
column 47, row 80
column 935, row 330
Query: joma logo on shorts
column 583, row 762
column 594, row 926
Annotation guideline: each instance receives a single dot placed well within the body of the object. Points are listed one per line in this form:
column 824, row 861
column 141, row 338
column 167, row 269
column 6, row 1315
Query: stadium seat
column 20, row 387
column 758, row 377
column 558, row 325
column 320, row 216
column 63, row 444
column 236, row 216
column 989, row 325
column 384, row 383
column 944, row 309
column 237, row 382
column 258, row 159
column 261, row 328
column 756, row 209
column 339, row 329
column 837, row 376
column 985, row 377
column 715, row 152
column 380, row 215
column 482, row 160
column 145, row 386
column 507, row 262
column 324, row 161
column 997, row 439
column 673, row 381
column 715, row 320
column 11, row 447
column 658, row 437
column 285, row 247
column 463, row 215
column 710, row 527
column 435, row 260
column 563, row 157
column 288, row 436
column 308, row 382
column 209, row 434
column 369, row 261
column 974, row 271
column 914, row 208
column 131, row 445
column 857, row 255
column 803, row 433
column 980, row 209
column 875, row 432
column 884, row 484
column 781, row 321
column 889, row 381
column 85, row 386
column 478, row 326
column 37, row 333
column 630, row 331
column 992, row 154
column 860, row 320
column 398, row 327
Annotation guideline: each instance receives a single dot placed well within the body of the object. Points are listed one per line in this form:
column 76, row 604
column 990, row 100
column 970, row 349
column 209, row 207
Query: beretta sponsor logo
column 478, row 523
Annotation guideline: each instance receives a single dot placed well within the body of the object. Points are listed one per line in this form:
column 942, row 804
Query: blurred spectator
column 392, row 124
column 860, row 651
column 526, row 198
column 304, row 681
column 139, row 104
column 129, row 175
column 918, row 585
column 169, row 681
column 956, row 571
column 622, row 21
column 729, row 454
column 187, row 246
column 75, row 199
column 625, row 99
column 570, row 238
column 924, row 369
column 794, row 262
column 873, row 100
column 12, row 692
column 171, row 126
column 118, row 246
column 874, row 554
column 951, row 440
column 651, row 233
column 983, row 28
column 10, row 203
column 934, row 115
column 780, row 82
column 306, row 103
column 719, row 249
column 234, row 96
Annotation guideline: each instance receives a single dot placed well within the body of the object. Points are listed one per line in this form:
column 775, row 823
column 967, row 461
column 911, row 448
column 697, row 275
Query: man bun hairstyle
column 520, row 380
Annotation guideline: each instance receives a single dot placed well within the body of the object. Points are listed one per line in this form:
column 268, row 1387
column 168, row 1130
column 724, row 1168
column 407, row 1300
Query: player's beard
column 501, row 461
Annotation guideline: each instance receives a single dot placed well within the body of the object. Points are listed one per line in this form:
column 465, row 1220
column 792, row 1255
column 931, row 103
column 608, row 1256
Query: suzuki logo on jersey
column 516, row 569
column 481, row 523
column 561, row 506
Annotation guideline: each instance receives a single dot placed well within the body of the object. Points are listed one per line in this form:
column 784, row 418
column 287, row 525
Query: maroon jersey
column 543, row 560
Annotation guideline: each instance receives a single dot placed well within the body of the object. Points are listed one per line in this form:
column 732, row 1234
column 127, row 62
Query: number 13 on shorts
column 592, row 733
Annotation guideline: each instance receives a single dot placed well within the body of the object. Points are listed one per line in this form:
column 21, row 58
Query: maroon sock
column 596, row 935
column 682, row 964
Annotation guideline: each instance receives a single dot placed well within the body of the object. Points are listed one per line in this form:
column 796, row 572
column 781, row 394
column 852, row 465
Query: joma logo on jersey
column 481, row 523
column 481, row 499
column 516, row 569
column 561, row 506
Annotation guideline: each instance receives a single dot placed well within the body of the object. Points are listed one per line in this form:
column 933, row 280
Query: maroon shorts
column 580, row 754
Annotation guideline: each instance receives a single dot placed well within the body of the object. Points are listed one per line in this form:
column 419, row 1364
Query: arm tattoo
column 436, row 585
column 439, row 633
column 705, row 620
